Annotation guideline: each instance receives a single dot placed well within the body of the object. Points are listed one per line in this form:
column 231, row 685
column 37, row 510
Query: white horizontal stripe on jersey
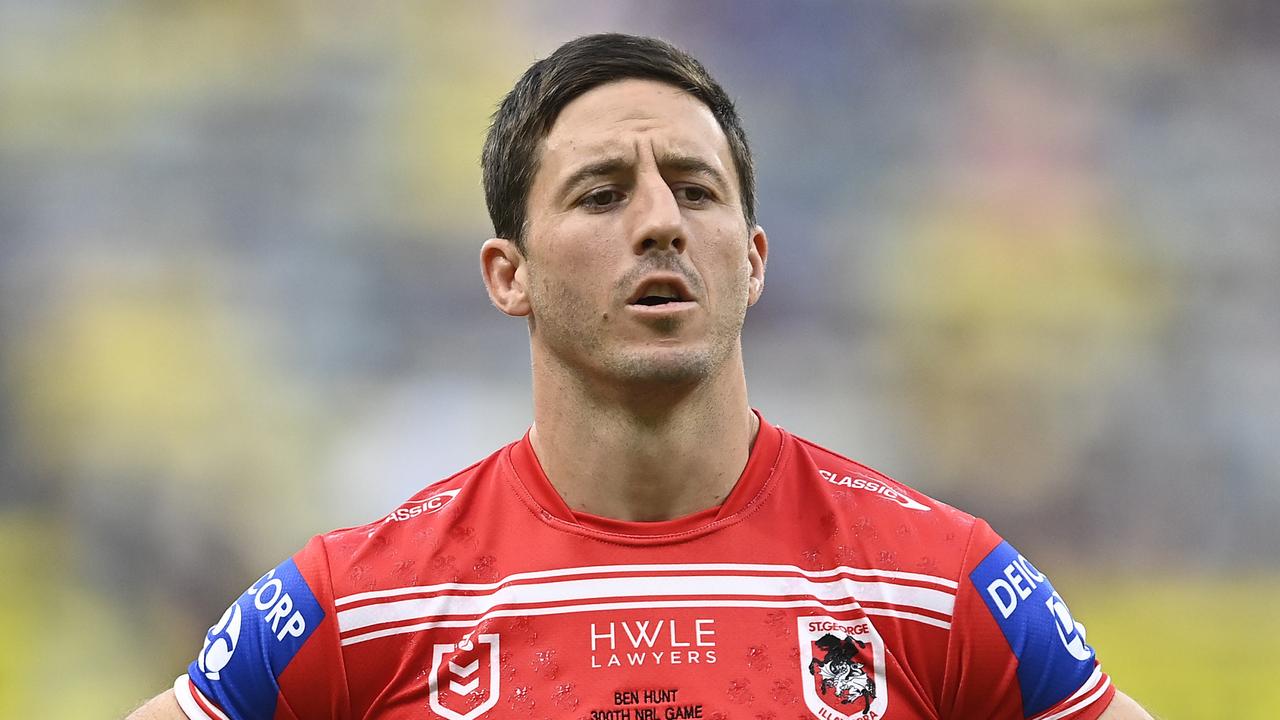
column 682, row 586
column 1076, row 707
column 659, row 605
column 902, row 615
column 183, row 690
column 632, row 570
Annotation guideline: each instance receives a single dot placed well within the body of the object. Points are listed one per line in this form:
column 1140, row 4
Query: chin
column 666, row 366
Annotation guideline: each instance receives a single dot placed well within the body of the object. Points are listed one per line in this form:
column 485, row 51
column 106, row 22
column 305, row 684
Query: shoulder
column 399, row 544
column 291, row 617
column 874, row 520
column 875, row 494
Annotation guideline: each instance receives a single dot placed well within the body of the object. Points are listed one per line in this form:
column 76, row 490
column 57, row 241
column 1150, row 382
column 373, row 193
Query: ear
column 757, row 256
column 505, row 276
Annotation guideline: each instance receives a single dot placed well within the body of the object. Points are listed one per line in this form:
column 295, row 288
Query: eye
column 693, row 195
column 600, row 199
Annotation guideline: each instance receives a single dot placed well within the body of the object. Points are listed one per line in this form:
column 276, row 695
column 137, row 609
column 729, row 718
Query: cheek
column 572, row 288
column 732, row 269
column 585, row 269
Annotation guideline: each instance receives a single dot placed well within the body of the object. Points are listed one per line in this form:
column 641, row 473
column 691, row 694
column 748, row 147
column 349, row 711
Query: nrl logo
column 843, row 666
column 465, row 676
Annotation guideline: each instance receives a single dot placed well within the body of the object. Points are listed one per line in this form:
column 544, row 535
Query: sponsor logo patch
column 1053, row 658
column 464, row 681
column 273, row 618
column 842, row 668
column 872, row 485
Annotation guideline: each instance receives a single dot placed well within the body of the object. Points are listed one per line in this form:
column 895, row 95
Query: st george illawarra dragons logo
column 840, row 672
column 843, row 664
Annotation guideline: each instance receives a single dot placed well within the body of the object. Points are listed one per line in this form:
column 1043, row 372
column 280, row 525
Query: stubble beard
column 580, row 342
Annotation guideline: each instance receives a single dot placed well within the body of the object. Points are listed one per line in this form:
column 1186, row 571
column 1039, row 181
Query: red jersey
column 819, row 589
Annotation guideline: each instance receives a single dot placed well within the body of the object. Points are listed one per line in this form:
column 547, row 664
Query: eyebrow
column 597, row 169
column 612, row 166
column 695, row 165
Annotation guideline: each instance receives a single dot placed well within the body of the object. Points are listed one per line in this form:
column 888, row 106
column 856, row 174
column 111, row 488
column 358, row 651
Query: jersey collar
column 764, row 458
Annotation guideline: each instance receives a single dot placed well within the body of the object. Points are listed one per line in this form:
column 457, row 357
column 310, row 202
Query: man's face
column 638, row 262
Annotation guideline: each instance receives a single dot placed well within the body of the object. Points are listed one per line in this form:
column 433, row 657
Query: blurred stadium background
column 1025, row 256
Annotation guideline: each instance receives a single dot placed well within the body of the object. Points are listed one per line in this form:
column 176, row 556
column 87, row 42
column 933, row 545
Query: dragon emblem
column 840, row 672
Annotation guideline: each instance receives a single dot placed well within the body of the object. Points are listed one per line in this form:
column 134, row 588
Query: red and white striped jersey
column 819, row 589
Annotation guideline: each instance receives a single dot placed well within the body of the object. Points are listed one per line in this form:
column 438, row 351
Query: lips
column 660, row 290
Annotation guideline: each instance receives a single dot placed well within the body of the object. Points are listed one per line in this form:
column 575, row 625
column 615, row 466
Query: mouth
column 659, row 292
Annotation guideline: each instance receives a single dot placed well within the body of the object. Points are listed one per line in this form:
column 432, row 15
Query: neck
column 642, row 453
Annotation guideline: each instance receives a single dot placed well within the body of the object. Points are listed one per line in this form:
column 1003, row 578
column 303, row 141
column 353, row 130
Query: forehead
column 628, row 117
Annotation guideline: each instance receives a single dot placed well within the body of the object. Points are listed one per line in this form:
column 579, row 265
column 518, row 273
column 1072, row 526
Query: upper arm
column 275, row 651
column 1015, row 650
column 161, row 707
column 1123, row 707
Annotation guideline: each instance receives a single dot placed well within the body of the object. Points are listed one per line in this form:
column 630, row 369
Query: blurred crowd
column 1025, row 256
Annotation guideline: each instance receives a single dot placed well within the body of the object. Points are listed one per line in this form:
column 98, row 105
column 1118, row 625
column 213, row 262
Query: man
column 652, row 548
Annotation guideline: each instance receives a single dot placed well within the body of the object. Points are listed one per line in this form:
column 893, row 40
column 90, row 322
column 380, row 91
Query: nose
column 659, row 226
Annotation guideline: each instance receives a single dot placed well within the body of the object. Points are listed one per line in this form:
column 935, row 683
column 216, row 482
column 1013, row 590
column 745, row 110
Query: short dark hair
column 525, row 116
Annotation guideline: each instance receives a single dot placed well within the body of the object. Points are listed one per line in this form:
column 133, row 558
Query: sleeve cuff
column 1096, row 688
column 193, row 702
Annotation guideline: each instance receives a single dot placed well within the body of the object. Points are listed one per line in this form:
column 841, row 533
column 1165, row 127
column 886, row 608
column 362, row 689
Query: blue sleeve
column 245, row 652
column 1053, row 660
